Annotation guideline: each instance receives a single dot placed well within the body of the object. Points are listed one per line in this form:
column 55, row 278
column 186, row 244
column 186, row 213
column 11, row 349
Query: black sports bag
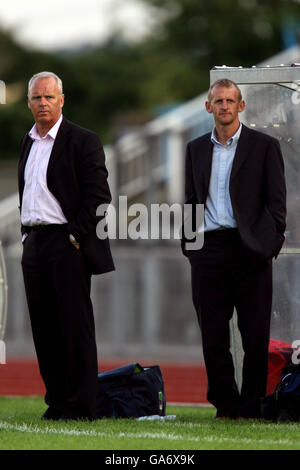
column 284, row 403
column 131, row 391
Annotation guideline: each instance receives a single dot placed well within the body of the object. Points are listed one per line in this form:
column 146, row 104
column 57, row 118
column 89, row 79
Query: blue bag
column 288, row 395
column 284, row 403
column 131, row 391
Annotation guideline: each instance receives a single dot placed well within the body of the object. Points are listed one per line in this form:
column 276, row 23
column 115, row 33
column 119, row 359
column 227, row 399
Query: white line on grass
column 75, row 432
column 139, row 435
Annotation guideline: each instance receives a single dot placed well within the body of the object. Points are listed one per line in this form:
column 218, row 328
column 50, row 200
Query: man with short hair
column 238, row 174
column 62, row 181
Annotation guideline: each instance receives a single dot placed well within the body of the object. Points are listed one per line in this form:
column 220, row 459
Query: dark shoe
column 73, row 417
column 252, row 410
column 221, row 415
column 76, row 418
column 52, row 413
column 249, row 418
column 285, row 415
column 268, row 407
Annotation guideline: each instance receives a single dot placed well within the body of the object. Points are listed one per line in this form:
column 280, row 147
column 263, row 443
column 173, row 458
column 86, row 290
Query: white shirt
column 218, row 208
column 39, row 206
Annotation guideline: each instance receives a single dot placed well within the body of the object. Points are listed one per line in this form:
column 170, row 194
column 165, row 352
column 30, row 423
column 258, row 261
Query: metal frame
column 284, row 75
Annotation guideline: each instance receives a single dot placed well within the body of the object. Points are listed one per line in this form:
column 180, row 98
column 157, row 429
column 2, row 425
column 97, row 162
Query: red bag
column 279, row 356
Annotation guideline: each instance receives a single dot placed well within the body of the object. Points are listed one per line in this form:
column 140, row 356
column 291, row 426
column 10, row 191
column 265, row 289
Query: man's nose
column 43, row 101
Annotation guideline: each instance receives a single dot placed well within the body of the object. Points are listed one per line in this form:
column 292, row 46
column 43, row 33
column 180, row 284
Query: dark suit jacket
column 257, row 189
column 77, row 177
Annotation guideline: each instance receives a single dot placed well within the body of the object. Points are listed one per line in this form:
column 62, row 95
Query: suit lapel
column 25, row 149
column 202, row 166
column 242, row 150
column 58, row 145
column 24, row 153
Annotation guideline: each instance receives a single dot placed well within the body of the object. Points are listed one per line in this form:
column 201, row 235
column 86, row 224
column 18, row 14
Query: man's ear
column 242, row 106
column 208, row 106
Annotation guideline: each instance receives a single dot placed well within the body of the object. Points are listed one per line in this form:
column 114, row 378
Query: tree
column 196, row 35
column 98, row 84
column 17, row 65
column 169, row 66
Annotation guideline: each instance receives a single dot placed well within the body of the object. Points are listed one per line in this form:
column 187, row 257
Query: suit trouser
column 57, row 284
column 224, row 277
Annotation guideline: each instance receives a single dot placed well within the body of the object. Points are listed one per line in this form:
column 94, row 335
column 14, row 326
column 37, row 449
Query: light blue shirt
column 218, row 212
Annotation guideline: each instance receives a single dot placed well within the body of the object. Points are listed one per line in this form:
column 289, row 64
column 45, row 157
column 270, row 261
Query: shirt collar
column 33, row 133
column 232, row 140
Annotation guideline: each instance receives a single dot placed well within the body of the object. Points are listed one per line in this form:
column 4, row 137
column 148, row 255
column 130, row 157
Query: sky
column 60, row 24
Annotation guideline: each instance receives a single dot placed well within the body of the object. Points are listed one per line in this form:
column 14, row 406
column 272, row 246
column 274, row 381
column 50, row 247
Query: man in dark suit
column 238, row 175
column 62, row 181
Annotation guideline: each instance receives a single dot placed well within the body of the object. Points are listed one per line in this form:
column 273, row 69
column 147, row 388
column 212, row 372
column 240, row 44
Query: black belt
column 37, row 227
column 226, row 232
column 42, row 227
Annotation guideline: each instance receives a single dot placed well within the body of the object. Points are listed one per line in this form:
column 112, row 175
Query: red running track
column 184, row 383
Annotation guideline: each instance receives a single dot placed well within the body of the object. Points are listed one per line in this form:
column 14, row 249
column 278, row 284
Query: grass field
column 194, row 428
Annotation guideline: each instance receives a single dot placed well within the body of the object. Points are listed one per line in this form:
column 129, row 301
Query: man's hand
column 74, row 242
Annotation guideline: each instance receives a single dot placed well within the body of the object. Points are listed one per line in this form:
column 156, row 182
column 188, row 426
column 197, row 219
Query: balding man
column 237, row 173
column 62, row 181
